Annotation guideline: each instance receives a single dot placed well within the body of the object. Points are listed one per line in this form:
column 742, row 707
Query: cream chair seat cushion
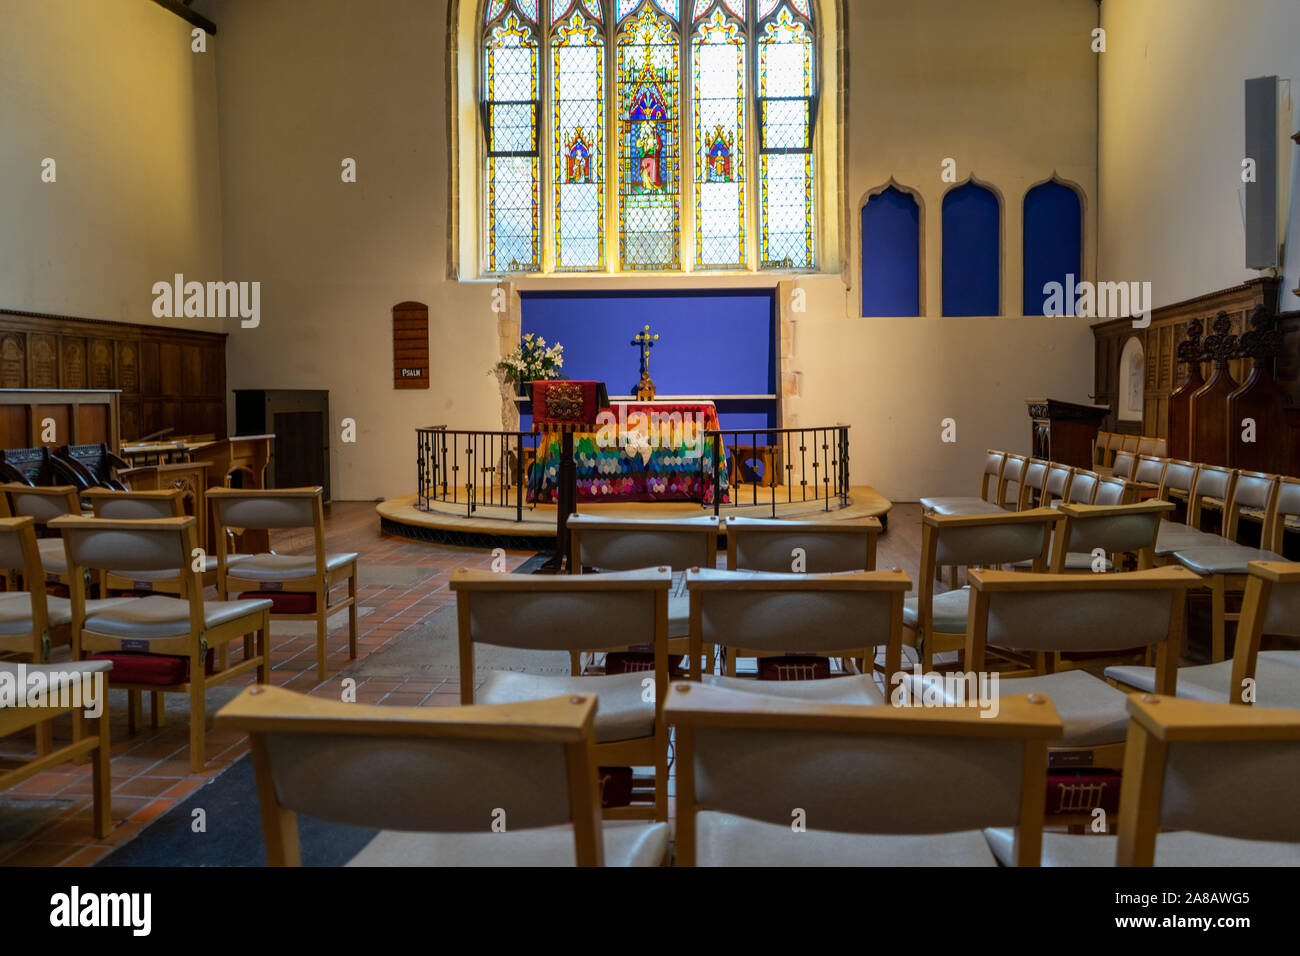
column 16, row 611
column 948, row 611
column 621, row 713
column 961, row 506
column 1173, row 536
column 1093, row 712
column 1222, row 559
column 158, row 616
column 1277, row 680
column 54, row 559
column 282, row 567
column 725, row 839
column 855, row 689
column 627, row 843
column 1180, row 848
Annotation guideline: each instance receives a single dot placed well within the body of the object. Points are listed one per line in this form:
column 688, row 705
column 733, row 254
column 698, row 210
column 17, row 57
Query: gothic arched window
column 637, row 135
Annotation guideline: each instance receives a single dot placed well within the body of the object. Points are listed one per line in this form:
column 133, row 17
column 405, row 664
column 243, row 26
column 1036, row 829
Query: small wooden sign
column 410, row 345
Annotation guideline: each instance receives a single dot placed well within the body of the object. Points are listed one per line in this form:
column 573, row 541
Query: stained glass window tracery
column 644, row 108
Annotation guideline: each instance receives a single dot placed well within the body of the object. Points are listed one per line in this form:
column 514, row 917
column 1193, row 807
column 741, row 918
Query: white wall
column 112, row 92
column 1007, row 88
column 1172, row 136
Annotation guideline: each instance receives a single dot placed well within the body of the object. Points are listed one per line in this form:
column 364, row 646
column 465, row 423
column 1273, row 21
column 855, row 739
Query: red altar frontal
column 638, row 451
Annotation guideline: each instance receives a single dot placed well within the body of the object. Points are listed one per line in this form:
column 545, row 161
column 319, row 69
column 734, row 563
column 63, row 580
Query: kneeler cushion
column 131, row 667
column 794, row 668
column 630, row 662
column 284, row 602
column 615, row 786
column 1082, row 791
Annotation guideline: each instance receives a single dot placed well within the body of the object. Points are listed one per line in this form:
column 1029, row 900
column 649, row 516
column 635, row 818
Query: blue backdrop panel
column 710, row 343
column 1053, row 242
column 971, row 245
column 891, row 247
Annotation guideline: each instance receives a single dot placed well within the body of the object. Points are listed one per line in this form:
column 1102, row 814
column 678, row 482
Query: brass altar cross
column 645, row 388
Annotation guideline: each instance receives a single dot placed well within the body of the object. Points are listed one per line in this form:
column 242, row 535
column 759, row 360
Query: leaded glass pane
column 528, row 8
column 510, row 74
column 786, row 207
column 648, row 134
column 579, row 83
column 718, row 53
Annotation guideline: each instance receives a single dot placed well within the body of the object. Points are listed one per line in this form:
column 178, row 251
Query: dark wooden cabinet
column 168, row 377
column 299, row 419
column 1064, row 431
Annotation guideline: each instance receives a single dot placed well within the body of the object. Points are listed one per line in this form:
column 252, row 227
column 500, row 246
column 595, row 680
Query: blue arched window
column 1053, row 242
column 891, row 254
column 972, row 242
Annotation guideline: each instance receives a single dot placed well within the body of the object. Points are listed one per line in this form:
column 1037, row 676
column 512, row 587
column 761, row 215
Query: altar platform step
column 490, row 526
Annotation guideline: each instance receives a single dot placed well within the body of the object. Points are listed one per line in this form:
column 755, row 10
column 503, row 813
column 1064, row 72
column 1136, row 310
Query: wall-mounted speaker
column 1261, row 195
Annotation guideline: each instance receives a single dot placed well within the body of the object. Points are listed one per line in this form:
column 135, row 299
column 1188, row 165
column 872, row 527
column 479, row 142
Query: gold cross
column 646, row 341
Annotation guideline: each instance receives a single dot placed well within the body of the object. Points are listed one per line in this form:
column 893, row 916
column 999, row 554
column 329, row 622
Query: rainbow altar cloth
column 639, row 451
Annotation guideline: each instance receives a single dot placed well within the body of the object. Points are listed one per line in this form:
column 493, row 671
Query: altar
column 640, row 451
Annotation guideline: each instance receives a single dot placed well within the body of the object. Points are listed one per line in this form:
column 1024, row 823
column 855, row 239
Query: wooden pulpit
column 565, row 407
column 1064, row 432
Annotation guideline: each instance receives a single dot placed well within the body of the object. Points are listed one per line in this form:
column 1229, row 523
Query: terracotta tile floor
column 151, row 770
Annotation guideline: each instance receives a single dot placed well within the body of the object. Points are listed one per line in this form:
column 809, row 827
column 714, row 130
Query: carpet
column 233, row 831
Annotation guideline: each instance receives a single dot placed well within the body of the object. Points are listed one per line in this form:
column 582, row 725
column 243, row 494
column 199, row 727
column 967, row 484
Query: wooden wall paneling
column 128, row 366
column 61, row 415
column 150, row 368
column 100, row 372
column 42, row 360
column 13, row 360
column 410, row 345
column 92, row 425
column 1179, row 415
column 13, row 426
column 72, row 361
column 1260, row 400
column 1210, row 425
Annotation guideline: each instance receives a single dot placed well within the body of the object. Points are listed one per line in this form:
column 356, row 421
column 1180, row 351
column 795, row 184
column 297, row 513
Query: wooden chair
column 1056, row 486
column 990, row 490
column 1272, row 678
column 1223, row 563
column 1286, row 511
column 1083, row 487
column 1115, row 491
column 177, row 635
column 44, row 504
column 37, row 467
column 143, row 505
column 817, row 547
column 1207, row 481
column 578, row 612
column 1129, row 443
column 1042, row 614
column 438, row 781
column 1177, row 480
column 937, row 623
column 877, row 785
column 277, row 576
column 65, row 694
column 1221, row 778
column 628, row 544
column 1031, row 485
column 744, row 457
column 1149, row 475
column 96, row 463
column 1012, row 474
column 29, row 625
column 1114, row 529
column 1147, row 446
column 1101, row 449
column 1124, row 465
column 844, row 615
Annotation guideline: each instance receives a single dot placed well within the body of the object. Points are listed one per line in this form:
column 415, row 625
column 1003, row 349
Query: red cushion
column 615, row 786
column 1081, row 791
column 134, row 667
column 794, row 668
column 284, row 602
column 630, row 662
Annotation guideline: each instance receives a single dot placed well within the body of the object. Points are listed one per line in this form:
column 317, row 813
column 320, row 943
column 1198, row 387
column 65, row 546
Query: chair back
column 976, row 540
column 1288, row 506
column 1146, row 446
column 1125, row 462
column 1161, row 448
column 1079, row 613
column 625, row 544
column 1031, row 486
column 1114, row 529
column 1129, row 443
column 1112, row 491
column 42, row 503
column 136, row 505
column 1179, row 476
column 1056, row 486
column 1254, row 491
column 817, row 547
column 19, row 552
column 1099, row 448
column 423, row 769
column 100, row 544
column 994, row 462
column 1271, row 605
column 1083, row 487
column 1210, row 768
column 1013, row 472
column 1150, row 470
column 1212, row 482
column 258, row 509
column 877, row 770
column 796, row 613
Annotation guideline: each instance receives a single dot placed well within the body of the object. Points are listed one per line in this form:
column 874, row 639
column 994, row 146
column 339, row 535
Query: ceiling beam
column 188, row 15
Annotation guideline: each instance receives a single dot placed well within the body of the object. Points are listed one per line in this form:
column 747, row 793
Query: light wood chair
column 1101, row 448
column 783, row 545
column 1271, row 606
column 1286, row 511
column 1201, row 482
column 1031, row 485
column 1083, row 487
column 178, row 632
column 1056, row 486
column 514, row 785
column 1115, row 491
column 995, row 462
column 1124, row 465
column 1147, row 446
column 870, row 785
column 137, row 506
column 1012, row 474
column 578, row 612
column 271, row 575
column 1114, row 529
column 1129, row 443
column 43, row 504
column 31, row 622
column 628, row 544
column 1149, row 475
column 1041, row 614
column 1221, row 778
column 937, row 623
column 65, row 694
column 845, row 615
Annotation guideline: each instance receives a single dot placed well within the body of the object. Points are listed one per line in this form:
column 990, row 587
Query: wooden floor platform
column 495, row 526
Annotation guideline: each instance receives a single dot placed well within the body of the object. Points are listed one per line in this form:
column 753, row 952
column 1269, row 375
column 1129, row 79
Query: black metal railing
column 764, row 467
column 793, row 464
column 474, row 467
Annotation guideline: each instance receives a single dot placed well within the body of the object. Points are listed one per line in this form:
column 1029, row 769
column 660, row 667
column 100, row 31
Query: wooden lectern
column 1064, row 432
column 565, row 407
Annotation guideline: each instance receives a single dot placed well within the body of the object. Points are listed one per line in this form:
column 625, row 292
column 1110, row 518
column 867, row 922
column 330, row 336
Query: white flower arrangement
column 532, row 360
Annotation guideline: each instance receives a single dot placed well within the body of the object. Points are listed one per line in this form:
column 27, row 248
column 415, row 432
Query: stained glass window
column 785, row 88
column 718, row 54
column 510, row 76
column 648, row 192
column 679, row 134
column 579, row 144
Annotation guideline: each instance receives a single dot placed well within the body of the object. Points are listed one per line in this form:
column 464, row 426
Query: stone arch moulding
column 973, row 180
column 1131, row 377
column 855, row 272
